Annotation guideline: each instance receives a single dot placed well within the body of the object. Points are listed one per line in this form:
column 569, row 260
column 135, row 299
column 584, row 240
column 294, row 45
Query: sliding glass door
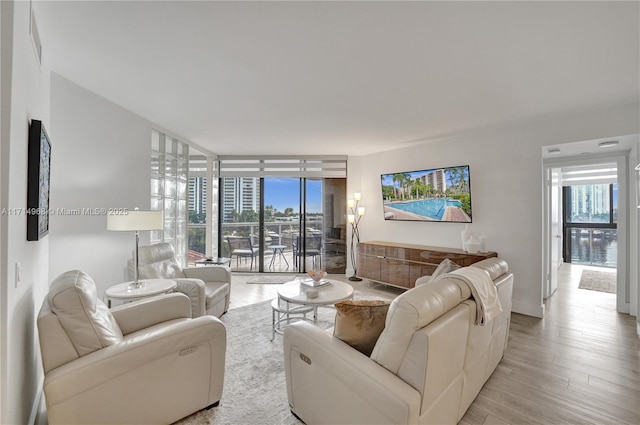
column 283, row 224
column 282, row 215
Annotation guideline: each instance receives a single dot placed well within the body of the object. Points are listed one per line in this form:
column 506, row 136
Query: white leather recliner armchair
column 208, row 287
column 139, row 363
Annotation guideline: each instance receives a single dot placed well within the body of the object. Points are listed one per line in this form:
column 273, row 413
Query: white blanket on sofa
column 483, row 290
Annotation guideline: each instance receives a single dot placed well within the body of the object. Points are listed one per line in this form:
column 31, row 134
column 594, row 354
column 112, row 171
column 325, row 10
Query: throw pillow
column 446, row 266
column 359, row 323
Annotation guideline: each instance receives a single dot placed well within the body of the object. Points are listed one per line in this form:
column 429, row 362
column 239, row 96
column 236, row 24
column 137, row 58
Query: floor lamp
column 135, row 221
column 354, row 215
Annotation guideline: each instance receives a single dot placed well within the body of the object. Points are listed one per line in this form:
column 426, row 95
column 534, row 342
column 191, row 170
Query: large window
column 590, row 223
column 283, row 214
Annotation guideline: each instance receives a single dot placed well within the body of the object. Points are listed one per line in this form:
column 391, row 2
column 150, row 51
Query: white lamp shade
column 360, row 211
column 350, row 203
column 351, row 218
column 357, row 196
column 136, row 220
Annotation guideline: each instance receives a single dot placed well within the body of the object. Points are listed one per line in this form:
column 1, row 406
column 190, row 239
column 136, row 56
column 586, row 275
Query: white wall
column 506, row 189
column 25, row 96
column 634, row 230
column 101, row 160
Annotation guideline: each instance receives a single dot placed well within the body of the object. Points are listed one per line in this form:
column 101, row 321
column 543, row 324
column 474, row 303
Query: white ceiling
column 343, row 77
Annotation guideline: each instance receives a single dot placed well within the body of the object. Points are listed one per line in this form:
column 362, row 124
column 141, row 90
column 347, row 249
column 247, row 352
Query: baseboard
column 528, row 310
column 35, row 408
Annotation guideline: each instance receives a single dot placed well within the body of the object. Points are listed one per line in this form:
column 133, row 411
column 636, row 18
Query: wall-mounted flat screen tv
column 439, row 194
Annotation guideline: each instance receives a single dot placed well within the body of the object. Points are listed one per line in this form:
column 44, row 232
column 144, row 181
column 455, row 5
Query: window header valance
column 590, row 174
column 309, row 166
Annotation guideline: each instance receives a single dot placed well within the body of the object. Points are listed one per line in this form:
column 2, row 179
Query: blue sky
column 284, row 192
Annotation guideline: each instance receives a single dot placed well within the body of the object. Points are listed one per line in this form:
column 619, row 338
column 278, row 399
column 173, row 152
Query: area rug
column 271, row 279
column 255, row 390
column 598, row 281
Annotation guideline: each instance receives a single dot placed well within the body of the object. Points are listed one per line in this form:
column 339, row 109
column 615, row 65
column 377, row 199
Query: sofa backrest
column 55, row 346
column 73, row 322
column 413, row 310
column 431, row 341
column 495, row 266
column 157, row 261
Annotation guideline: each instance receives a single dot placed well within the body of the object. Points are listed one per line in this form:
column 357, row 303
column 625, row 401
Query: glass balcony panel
column 593, row 246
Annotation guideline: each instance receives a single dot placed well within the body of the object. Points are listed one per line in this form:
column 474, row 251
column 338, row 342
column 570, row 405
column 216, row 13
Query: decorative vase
column 317, row 276
column 483, row 243
column 472, row 245
column 465, row 235
column 311, row 293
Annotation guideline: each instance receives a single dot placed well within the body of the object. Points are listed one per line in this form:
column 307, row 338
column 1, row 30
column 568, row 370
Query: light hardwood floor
column 578, row 365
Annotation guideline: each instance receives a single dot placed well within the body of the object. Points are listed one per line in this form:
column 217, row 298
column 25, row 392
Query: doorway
column 589, row 201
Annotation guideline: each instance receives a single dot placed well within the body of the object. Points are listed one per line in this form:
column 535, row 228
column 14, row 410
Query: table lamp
column 135, row 221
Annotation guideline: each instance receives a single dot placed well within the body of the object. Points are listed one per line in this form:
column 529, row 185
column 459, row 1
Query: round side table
column 150, row 287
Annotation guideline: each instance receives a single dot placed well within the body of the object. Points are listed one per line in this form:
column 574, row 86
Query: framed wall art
column 38, row 181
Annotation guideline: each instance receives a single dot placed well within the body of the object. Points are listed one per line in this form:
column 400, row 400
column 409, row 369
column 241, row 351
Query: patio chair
column 242, row 247
column 313, row 249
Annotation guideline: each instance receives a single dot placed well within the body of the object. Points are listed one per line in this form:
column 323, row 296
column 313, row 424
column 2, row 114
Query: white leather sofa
column 427, row 366
column 139, row 363
column 208, row 287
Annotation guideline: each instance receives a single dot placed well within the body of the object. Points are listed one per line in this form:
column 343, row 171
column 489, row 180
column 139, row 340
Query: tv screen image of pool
column 439, row 194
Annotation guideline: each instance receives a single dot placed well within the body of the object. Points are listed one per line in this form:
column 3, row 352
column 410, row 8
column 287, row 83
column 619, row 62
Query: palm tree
column 400, row 179
column 418, row 186
column 405, row 179
column 458, row 178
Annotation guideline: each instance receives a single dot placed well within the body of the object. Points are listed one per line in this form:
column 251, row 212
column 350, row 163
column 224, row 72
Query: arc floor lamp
column 354, row 214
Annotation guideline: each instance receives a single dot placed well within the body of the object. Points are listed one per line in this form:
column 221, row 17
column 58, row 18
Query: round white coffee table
column 295, row 293
column 150, row 287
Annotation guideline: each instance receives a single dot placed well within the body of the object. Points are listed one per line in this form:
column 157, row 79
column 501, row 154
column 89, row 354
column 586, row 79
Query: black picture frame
column 38, row 181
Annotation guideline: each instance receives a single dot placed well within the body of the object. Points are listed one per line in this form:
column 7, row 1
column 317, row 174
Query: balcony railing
column 276, row 233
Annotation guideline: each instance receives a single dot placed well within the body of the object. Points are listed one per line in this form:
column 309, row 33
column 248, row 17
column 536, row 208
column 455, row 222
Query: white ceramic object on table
column 472, row 245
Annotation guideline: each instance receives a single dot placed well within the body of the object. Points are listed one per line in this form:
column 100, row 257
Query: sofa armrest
column 158, row 345
column 195, row 290
column 132, row 317
column 330, row 382
column 209, row 273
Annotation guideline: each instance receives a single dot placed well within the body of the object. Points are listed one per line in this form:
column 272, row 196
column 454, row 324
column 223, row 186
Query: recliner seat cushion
column 86, row 319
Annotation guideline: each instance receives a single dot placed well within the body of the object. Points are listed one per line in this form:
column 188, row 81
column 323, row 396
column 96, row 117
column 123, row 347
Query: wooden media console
column 399, row 264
